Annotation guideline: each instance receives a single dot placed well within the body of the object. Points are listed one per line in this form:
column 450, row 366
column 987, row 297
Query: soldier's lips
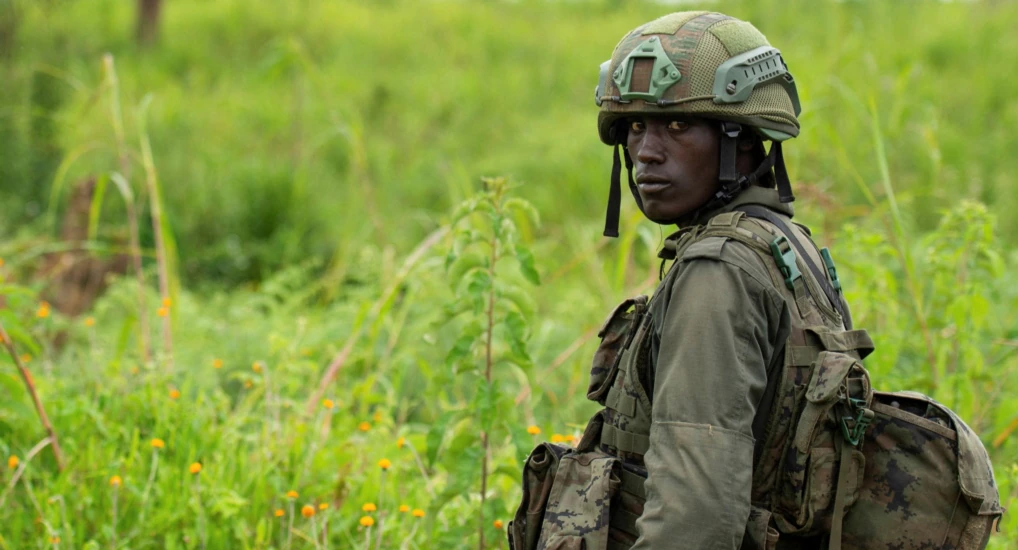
column 652, row 185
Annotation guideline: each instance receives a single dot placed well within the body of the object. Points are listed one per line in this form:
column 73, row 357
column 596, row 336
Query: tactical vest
column 836, row 464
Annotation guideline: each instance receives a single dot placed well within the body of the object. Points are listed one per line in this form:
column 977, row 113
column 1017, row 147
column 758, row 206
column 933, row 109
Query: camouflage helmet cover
column 698, row 63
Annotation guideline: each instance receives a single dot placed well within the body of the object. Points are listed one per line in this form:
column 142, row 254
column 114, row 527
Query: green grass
column 304, row 149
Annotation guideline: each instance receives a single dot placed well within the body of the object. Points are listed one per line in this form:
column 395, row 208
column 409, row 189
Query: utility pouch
column 834, row 415
column 566, row 502
column 616, row 333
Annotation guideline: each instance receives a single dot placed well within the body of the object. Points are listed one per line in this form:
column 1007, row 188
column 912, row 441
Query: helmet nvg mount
column 699, row 64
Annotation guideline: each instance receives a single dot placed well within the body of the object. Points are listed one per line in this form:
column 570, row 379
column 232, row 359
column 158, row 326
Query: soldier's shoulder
column 745, row 260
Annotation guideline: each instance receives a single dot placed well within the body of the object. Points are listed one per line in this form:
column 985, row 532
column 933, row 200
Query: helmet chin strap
column 731, row 183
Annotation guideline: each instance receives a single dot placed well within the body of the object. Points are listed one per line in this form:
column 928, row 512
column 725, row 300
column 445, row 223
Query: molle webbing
column 620, row 402
column 627, row 442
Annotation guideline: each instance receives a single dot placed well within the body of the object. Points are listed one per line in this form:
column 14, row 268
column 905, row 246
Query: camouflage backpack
column 839, row 465
column 836, row 465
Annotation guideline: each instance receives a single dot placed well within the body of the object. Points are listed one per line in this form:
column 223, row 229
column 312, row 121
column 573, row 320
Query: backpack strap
column 832, row 296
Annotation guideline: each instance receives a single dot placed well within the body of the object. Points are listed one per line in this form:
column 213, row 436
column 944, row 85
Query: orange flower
column 292, row 494
column 195, row 468
column 498, row 524
column 369, row 507
column 163, row 312
column 12, row 462
column 248, row 384
column 307, row 511
column 367, row 521
column 385, row 464
column 54, row 539
column 217, row 363
column 533, row 430
column 257, row 367
column 279, row 513
column 323, row 506
column 26, row 358
column 418, row 513
column 174, row 393
column 134, row 370
column 158, row 443
column 400, row 442
column 43, row 311
column 89, row 321
column 328, row 404
column 115, row 481
column 557, row 438
column 1, row 262
column 404, row 508
column 167, row 303
column 363, row 426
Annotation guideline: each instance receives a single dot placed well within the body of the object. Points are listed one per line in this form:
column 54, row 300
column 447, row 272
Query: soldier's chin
column 659, row 215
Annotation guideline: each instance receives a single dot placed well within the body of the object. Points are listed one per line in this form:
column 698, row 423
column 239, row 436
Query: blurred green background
column 304, row 149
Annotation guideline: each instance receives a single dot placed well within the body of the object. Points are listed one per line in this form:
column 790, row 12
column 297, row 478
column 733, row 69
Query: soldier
column 690, row 99
column 737, row 412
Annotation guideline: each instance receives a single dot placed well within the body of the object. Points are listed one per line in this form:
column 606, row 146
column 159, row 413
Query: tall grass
column 315, row 150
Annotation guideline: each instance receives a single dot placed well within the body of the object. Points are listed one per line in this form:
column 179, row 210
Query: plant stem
column 381, row 518
column 148, row 485
column 113, row 543
column 487, row 371
column 39, row 409
column 132, row 216
column 21, row 468
column 155, row 204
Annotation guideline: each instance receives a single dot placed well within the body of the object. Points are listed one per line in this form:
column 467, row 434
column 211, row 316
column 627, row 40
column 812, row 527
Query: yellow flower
column 307, row 511
column 279, row 513
column 167, row 303
column 12, row 462
column 367, row 521
column 43, row 311
column 158, row 443
column 533, row 430
column 323, row 506
column 557, row 438
column 377, row 416
column 134, row 370
column 385, row 464
column 1, row 262
column 400, row 442
column 404, row 508
column 257, row 366
column 195, row 468
column 498, row 524
column 217, row 363
column 363, row 426
column 248, row 384
column 89, row 321
column 369, row 507
column 26, row 358
column 292, row 494
column 54, row 540
column 174, row 393
column 115, row 481
column 328, row 404
column 418, row 513
column 163, row 312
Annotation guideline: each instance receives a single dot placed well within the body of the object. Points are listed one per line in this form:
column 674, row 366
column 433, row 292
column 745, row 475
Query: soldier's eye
column 678, row 125
column 636, row 126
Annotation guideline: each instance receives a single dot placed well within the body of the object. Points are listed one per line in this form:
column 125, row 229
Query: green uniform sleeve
column 720, row 333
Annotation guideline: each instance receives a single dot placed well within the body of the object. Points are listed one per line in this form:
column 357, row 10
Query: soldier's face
column 675, row 163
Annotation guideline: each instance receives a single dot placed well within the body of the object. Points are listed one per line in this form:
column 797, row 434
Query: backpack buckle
column 854, row 428
column 784, row 255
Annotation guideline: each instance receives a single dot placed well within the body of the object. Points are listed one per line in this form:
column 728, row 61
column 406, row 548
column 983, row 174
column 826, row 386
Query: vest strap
column 628, row 442
column 633, row 484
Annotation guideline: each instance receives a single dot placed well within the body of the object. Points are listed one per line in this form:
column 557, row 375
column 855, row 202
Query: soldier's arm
column 719, row 334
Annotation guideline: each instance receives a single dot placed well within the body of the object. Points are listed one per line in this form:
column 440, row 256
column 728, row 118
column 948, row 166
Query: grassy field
column 321, row 169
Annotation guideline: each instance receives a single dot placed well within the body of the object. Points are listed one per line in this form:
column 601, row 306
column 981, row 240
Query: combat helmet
column 703, row 64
